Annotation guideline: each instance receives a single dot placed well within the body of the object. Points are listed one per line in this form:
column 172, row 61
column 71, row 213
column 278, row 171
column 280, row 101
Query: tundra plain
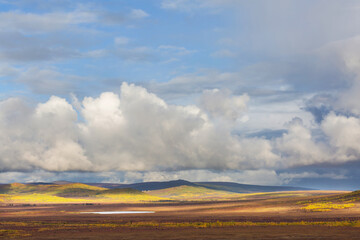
column 180, row 212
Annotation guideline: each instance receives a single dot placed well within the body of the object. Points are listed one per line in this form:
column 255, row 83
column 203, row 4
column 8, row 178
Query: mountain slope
column 146, row 186
column 223, row 186
column 193, row 193
column 246, row 188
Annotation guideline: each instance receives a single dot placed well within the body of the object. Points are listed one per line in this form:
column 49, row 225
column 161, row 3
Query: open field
column 279, row 215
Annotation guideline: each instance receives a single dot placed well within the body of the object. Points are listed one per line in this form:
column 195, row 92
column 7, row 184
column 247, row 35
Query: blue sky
column 252, row 91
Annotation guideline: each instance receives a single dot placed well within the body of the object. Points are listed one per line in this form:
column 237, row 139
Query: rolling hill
column 222, row 186
column 70, row 193
column 179, row 190
column 193, row 193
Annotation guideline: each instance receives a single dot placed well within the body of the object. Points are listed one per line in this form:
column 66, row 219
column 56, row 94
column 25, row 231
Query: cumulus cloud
column 344, row 134
column 39, row 138
column 298, row 147
column 220, row 103
column 135, row 130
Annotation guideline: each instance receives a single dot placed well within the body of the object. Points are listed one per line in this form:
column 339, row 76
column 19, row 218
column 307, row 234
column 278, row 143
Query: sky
column 249, row 91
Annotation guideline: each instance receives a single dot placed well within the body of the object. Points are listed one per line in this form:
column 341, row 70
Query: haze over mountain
column 158, row 90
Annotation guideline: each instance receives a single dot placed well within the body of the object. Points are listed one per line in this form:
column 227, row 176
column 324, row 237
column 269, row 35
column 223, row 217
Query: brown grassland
column 280, row 215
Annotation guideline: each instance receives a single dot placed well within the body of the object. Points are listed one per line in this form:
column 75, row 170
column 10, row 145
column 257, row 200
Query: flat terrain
column 285, row 215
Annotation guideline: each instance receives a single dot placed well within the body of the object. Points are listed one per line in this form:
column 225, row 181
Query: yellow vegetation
column 326, row 206
column 18, row 193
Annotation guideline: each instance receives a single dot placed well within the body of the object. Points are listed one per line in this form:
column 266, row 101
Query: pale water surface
column 120, row 212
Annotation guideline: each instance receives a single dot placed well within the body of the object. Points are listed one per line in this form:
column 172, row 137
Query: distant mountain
column 246, row 188
column 61, row 182
column 150, row 186
column 222, row 186
column 146, row 186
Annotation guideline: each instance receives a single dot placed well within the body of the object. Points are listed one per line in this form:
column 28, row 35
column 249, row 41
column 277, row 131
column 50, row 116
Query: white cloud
column 299, row 148
column 181, row 51
column 121, row 40
column 344, row 134
column 137, row 131
column 221, row 103
column 138, row 14
column 42, row 138
column 48, row 22
column 190, row 5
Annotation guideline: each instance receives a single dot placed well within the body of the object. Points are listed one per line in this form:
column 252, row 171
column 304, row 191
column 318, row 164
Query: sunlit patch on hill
column 69, row 193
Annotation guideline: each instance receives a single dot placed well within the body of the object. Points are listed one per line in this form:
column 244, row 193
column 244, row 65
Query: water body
column 120, row 212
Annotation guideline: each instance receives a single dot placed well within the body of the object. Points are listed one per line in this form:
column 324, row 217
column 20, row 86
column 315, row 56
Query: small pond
column 120, row 212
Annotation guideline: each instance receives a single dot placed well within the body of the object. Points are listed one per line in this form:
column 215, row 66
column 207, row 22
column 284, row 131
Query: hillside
column 222, row 186
column 69, row 193
column 246, row 188
column 179, row 190
column 193, row 193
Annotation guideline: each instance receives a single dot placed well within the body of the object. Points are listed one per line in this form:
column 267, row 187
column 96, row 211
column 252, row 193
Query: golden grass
column 33, row 198
column 326, row 206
